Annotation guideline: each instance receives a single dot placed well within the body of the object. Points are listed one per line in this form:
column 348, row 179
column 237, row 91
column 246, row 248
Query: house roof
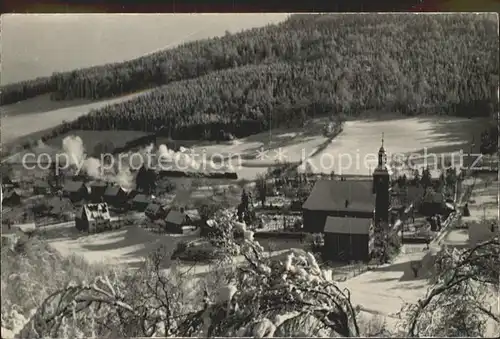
column 113, row 191
column 340, row 225
column 193, row 214
column 141, row 198
column 411, row 193
column 96, row 211
column 331, row 195
column 434, row 197
column 73, row 186
column 175, row 217
column 153, row 208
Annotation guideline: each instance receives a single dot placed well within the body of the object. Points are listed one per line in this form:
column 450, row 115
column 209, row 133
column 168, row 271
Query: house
column 336, row 198
column 115, row 196
column 97, row 190
column 75, row 190
column 93, row 218
column 140, row 202
column 155, row 211
column 41, row 187
column 176, row 220
column 433, row 203
column 348, row 238
column 12, row 197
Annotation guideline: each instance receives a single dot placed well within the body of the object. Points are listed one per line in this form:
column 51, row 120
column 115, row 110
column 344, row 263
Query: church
column 348, row 211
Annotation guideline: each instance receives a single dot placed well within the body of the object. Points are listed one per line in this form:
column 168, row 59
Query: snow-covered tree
column 263, row 297
column 460, row 302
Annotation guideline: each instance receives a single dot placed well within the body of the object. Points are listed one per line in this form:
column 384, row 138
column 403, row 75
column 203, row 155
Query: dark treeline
column 20, row 91
column 463, row 46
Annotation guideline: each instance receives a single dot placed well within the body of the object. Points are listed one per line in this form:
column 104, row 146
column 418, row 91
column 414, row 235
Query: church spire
column 382, row 155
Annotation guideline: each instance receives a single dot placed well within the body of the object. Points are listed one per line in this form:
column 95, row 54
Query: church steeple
column 381, row 186
column 382, row 157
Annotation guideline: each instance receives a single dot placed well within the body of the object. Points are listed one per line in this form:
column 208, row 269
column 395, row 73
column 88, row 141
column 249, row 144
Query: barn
column 75, row 190
column 335, row 198
column 93, row 218
column 348, row 239
column 97, row 190
column 115, row 196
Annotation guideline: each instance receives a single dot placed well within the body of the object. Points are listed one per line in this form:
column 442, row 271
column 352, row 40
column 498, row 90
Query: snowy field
column 384, row 290
column 354, row 152
column 419, row 141
column 129, row 245
column 39, row 114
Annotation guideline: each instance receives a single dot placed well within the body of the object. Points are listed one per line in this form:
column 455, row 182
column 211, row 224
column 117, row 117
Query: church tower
column 381, row 187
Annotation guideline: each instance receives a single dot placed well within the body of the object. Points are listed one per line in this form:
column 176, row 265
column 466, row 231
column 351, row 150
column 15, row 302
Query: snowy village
column 358, row 208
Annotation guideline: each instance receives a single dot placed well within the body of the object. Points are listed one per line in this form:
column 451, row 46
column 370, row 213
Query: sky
column 34, row 45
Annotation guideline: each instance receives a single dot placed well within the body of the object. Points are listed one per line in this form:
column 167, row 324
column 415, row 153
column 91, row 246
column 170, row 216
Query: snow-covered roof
column 96, row 211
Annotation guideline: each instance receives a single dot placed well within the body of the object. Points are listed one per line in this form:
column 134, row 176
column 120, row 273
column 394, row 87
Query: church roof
column 331, row 195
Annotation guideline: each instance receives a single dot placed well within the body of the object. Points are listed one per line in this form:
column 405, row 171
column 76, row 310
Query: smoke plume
column 74, row 150
column 92, row 167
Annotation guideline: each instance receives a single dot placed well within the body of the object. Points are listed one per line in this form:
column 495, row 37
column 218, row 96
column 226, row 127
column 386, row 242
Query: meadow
column 34, row 118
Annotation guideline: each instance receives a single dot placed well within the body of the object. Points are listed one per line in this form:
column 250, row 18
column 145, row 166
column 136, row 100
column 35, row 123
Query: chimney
column 346, row 203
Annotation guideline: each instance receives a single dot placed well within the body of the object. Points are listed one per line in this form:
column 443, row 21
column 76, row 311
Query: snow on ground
column 16, row 125
column 253, row 155
column 430, row 141
column 125, row 246
column 384, row 290
column 355, row 150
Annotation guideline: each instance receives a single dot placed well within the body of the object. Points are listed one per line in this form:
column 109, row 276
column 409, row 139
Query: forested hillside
column 309, row 65
column 320, row 65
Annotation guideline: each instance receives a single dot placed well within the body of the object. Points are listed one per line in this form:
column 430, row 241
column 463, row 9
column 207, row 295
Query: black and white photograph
column 250, row 175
